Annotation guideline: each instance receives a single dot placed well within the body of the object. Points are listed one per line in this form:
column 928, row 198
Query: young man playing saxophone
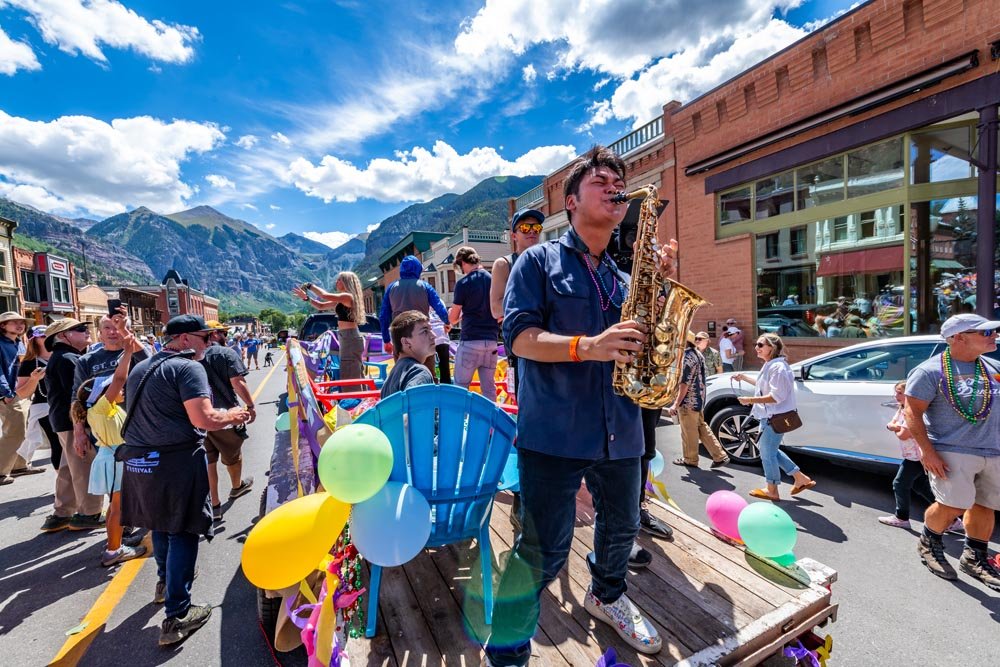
column 562, row 310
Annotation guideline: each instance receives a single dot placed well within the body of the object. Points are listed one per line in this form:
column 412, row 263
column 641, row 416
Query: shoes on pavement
column 682, row 462
column 932, row 554
column 135, row 539
column 86, row 522
column 894, row 521
column 244, row 488
column 654, row 526
column 27, row 470
column 160, row 594
column 719, row 464
column 5, row 480
column 639, row 557
column 957, row 527
column 977, row 564
column 123, row 554
column 627, row 620
column 217, row 512
column 55, row 523
column 174, row 630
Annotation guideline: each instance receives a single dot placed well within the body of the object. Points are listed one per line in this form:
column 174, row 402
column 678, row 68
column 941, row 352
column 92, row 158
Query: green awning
column 946, row 264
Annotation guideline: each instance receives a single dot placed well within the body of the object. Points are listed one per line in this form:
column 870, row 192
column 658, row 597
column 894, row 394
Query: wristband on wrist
column 574, row 343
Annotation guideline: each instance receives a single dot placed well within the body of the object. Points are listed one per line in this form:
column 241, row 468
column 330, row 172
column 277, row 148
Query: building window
column 875, row 168
column 840, row 228
column 939, row 155
column 735, row 206
column 771, row 246
column 774, row 196
column 60, row 290
column 3, row 266
column 797, row 241
column 29, row 286
column 820, row 183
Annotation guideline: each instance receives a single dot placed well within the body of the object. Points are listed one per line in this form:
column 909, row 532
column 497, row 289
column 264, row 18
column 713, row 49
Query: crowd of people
column 126, row 420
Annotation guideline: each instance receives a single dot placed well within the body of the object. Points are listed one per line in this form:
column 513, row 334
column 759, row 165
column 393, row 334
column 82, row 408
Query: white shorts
column 972, row 480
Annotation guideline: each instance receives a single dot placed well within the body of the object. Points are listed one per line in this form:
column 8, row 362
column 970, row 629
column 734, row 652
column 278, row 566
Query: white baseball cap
column 957, row 324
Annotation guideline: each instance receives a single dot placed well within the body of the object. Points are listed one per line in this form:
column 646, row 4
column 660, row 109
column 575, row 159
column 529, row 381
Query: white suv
column 844, row 398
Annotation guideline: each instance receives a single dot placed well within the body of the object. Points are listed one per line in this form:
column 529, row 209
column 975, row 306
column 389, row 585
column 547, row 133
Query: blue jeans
column 771, row 457
column 549, row 485
column 175, row 555
column 910, row 476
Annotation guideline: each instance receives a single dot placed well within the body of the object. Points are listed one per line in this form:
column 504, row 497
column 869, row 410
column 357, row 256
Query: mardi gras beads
column 973, row 417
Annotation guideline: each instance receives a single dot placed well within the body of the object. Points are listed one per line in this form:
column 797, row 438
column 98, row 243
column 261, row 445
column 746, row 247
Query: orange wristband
column 573, row 354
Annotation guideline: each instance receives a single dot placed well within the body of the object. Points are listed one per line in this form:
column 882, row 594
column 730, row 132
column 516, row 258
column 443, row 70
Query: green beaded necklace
column 967, row 410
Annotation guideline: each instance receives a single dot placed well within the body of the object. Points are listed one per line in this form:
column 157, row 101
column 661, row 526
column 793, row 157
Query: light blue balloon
column 510, row 479
column 283, row 422
column 657, row 464
column 391, row 527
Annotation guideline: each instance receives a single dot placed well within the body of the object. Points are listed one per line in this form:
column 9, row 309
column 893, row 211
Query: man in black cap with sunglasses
column 75, row 507
column 165, row 484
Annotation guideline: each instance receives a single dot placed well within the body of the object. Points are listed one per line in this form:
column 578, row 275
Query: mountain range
column 245, row 267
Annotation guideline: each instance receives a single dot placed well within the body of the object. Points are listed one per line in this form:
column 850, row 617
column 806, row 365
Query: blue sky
column 324, row 117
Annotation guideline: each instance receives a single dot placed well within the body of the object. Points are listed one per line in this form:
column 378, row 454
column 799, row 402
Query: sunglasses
column 80, row 329
column 762, row 345
column 529, row 227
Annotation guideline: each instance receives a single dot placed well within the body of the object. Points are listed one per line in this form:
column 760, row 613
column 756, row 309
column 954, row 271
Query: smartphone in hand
column 113, row 306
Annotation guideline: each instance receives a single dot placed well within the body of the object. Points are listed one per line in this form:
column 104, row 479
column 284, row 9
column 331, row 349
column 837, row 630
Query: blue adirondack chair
column 451, row 445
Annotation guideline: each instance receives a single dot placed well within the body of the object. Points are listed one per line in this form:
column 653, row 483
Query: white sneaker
column 957, row 527
column 628, row 622
column 894, row 521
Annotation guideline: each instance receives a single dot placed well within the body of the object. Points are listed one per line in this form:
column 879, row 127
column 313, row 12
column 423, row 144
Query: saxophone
column 652, row 378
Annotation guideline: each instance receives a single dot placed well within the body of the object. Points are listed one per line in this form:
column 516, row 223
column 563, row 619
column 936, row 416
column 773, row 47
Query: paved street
column 892, row 611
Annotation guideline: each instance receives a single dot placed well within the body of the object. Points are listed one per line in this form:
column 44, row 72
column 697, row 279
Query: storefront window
column 774, row 196
column 822, row 278
column 943, row 260
column 875, row 168
column 735, row 206
column 820, row 183
column 941, row 155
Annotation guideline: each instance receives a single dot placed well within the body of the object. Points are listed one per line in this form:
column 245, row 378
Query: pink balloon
column 723, row 509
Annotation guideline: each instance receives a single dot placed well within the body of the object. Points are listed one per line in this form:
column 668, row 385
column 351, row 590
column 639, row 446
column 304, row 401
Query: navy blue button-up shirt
column 568, row 409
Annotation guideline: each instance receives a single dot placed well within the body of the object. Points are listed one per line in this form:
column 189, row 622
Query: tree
column 295, row 320
column 276, row 319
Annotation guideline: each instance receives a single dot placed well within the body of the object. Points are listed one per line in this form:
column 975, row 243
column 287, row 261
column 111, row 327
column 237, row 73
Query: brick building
column 852, row 163
column 47, row 286
column 174, row 296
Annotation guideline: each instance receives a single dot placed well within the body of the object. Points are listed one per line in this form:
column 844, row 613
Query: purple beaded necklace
column 600, row 286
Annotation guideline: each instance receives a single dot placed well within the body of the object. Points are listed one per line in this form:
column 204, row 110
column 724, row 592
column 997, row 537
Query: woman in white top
column 728, row 351
column 774, row 394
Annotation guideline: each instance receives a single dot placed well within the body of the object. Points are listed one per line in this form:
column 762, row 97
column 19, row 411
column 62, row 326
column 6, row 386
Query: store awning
column 874, row 260
column 946, row 264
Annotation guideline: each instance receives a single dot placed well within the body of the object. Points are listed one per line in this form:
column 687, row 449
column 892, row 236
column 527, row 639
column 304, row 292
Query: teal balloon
column 657, row 464
column 787, row 560
column 283, row 422
column 393, row 526
column 355, row 463
column 767, row 530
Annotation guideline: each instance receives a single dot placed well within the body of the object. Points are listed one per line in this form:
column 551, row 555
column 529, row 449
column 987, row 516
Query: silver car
column 844, row 397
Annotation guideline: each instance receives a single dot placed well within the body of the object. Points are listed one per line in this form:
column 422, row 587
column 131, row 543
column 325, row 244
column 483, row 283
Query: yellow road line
column 93, row 623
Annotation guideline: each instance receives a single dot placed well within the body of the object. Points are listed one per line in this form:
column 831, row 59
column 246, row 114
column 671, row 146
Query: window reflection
column 734, row 206
column 839, row 277
column 941, row 155
column 875, row 168
column 820, row 183
column 775, row 196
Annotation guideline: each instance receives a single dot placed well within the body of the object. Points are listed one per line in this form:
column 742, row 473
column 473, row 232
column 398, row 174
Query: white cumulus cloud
column 15, row 55
column 79, row 163
column 332, row 239
column 418, row 174
column 270, row 225
column 220, row 182
column 247, row 141
column 281, row 139
column 84, row 26
column 528, row 73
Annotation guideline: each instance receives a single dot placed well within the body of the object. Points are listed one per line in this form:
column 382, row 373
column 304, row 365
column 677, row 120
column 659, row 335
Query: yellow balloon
column 288, row 544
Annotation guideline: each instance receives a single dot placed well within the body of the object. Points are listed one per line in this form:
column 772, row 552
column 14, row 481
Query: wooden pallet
column 712, row 602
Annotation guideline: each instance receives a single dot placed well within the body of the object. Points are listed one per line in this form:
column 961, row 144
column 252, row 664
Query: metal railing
column 651, row 130
column 530, row 197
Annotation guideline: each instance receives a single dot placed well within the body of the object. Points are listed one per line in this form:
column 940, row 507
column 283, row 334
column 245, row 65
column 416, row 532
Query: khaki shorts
column 972, row 480
column 226, row 445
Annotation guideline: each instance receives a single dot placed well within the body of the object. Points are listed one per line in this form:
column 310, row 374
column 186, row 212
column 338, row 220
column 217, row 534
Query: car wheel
column 738, row 432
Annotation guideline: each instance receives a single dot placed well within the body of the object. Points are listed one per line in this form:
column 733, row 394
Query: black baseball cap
column 526, row 213
column 183, row 324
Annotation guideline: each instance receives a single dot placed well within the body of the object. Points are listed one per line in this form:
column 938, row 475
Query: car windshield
column 316, row 325
column 889, row 363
